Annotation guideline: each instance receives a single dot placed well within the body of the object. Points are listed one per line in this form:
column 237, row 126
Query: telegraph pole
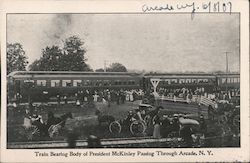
column 226, row 67
column 105, row 66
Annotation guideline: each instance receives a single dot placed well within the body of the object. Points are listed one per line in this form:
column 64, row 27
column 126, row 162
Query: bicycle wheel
column 53, row 131
column 32, row 132
column 137, row 127
column 115, row 127
column 147, row 120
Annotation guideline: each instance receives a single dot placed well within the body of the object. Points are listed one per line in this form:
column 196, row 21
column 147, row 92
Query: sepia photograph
column 123, row 80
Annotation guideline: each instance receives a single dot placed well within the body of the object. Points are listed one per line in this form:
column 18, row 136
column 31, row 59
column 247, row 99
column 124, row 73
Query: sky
column 150, row 42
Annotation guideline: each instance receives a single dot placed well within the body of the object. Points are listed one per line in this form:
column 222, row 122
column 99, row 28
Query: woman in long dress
column 157, row 132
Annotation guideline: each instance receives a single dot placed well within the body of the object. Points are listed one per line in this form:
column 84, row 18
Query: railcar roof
column 68, row 73
column 159, row 75
column 188, row 74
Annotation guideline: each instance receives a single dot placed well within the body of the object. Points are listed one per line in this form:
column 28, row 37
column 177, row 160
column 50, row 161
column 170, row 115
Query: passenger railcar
column 36, row 84
column 228, row 80
column 180, row 80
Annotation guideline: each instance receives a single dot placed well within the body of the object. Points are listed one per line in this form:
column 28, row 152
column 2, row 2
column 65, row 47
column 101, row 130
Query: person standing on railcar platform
column 65, row 99
column 58, row 97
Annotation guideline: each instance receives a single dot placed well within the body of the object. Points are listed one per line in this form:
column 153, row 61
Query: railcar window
column 193, row 80
column 118, row 82
column 77, row 83
column 41, row 82
column 131, row 82
column 181, row 81
column 205, row 80
column 98, row 83
column 200, row 80
column 188, row 80
column 167, row 81
column 86, row 82
column 106, row 82
column 231, row 80
column 223, row 80
column 28, row 81
column 235, row 80
column 55, row 83
column 173, row 81
column 66, row 83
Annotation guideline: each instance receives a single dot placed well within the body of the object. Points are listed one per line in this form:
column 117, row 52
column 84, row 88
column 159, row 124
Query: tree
column 73, row 57
column 35, row 66
column 116, row 67
column 99, row 70
column 70, row 58
column 50, row 60
column 16, row 58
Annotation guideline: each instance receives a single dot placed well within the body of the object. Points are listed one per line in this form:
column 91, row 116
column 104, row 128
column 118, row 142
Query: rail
column 114, row 142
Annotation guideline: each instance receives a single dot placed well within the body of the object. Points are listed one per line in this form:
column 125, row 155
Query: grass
column 85, row 121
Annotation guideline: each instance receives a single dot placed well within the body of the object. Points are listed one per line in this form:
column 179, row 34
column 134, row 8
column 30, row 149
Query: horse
column 34, row 126
column 55, row 124
column 104, row 119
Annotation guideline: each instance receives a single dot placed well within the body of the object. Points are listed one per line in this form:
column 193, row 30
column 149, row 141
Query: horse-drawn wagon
column 35, row 127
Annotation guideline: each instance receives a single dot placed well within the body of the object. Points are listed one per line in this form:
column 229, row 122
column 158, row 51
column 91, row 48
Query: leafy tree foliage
column 35, row 66
column 16, row 58
column 70, row 58
column 74, row 55
column 50, row 60
column 116, row 67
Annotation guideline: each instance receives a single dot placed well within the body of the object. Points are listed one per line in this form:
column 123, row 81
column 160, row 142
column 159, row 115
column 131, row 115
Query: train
column 37, row 84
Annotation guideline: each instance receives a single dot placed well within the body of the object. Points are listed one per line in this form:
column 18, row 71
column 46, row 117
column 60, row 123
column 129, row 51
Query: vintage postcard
column 125, row 81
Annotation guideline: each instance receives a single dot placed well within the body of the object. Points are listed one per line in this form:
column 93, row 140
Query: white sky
column 153, row 42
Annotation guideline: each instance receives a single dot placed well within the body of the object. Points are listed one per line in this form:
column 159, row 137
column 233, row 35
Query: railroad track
column 114, row 142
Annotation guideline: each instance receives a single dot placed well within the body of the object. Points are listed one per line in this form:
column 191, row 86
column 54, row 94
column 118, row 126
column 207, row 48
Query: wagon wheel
column 222, row 119
column 115, row 127
column 137, row 127
column 53, row 131
column 236, row 124
column 32, row 132
column 236, row 121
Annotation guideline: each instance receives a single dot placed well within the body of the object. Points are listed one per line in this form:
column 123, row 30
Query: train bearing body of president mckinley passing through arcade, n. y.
column 37, row 84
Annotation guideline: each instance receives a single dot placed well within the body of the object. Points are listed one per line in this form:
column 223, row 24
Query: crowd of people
column 190, row 94
column 110, row 96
